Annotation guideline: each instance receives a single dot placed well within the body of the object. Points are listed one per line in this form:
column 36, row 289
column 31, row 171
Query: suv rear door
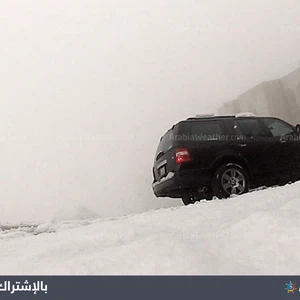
column 254, row 144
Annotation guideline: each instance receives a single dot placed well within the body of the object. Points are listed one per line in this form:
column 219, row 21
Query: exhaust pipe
column 203, row 190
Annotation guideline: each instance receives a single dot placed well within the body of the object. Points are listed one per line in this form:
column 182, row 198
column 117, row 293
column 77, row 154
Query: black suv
column 209, row 155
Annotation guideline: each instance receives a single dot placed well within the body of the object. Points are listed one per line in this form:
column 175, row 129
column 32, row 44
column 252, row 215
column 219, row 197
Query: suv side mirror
column 297, row 129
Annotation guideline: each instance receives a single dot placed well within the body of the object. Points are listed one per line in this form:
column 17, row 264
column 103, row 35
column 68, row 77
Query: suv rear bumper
column 175, row 183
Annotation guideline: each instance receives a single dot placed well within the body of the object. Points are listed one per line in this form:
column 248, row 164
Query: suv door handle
column 242, row 145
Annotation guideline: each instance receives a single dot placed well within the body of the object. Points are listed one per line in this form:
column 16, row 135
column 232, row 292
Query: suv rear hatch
column 165, row 158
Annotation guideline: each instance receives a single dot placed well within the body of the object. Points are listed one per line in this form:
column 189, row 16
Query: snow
column 256, row 233
column 244, row 114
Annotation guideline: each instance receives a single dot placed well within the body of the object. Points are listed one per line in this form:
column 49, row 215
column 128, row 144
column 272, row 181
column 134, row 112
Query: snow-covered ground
column 256, row 233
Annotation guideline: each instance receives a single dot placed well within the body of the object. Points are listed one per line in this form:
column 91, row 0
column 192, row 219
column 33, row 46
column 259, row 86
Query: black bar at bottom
column 149, row 287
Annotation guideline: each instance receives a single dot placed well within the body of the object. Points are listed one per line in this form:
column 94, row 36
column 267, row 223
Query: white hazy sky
column 88, row 87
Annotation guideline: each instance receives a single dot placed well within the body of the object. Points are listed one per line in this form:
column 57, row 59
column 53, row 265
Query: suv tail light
column 182, row 155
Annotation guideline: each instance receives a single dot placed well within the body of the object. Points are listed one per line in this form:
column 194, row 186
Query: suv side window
column 206, row 131
column 277, row 127
column 251, row 128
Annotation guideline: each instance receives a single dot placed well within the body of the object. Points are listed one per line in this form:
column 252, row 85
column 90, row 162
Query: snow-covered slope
column 256, row 233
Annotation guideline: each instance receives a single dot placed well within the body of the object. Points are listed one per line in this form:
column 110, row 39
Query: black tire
column 230, row 179
column 188, row 198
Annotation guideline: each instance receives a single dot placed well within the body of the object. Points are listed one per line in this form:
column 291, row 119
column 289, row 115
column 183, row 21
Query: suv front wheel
column 230, row 179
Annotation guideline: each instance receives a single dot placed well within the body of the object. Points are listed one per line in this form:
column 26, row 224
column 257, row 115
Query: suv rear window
column 251, row 128
column 165, row 143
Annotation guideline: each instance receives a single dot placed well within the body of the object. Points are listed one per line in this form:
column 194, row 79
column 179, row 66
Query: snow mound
column 256, row 233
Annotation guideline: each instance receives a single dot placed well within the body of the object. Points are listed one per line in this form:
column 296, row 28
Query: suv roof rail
column 200, row 116
column 205, row 115
column 237, row 115
column 244, row 114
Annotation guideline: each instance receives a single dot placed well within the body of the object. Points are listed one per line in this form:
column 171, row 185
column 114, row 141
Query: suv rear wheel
column 191, row 198
column 188, row 198
column 230, row 179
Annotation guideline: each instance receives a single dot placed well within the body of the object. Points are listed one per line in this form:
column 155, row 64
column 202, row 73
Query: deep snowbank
column 257, row 233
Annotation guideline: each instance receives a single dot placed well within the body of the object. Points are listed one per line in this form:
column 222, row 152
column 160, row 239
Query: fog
column 88, row 87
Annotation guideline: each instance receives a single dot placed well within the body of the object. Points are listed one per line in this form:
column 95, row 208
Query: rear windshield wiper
column 159, row 154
